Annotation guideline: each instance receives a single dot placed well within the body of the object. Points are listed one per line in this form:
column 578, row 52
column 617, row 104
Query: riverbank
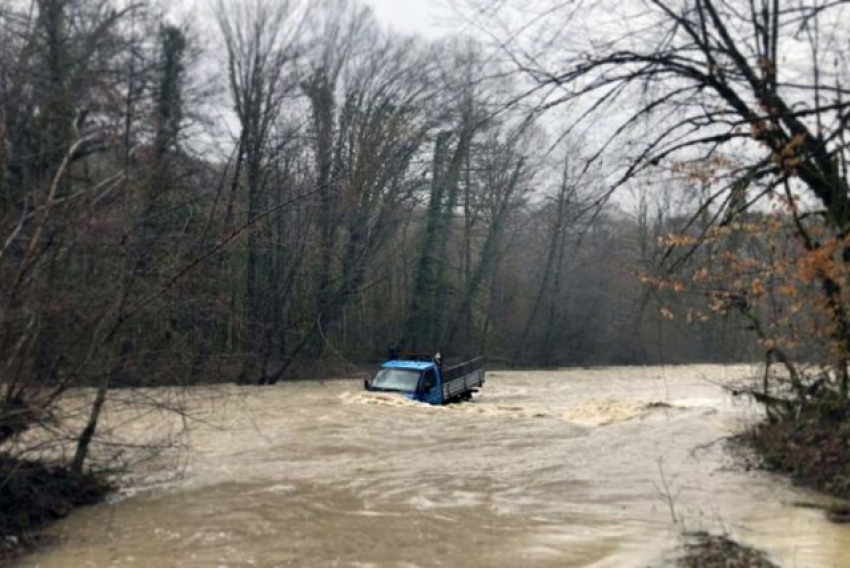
column 34, row 494
column 813, row 449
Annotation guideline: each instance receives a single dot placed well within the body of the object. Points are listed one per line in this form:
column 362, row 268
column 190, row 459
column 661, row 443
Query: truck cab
column 426, row 381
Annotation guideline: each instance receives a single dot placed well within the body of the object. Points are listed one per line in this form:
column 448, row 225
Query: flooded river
column 545, row 468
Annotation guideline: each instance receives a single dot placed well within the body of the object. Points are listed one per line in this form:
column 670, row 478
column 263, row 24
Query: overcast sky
column 422, row 16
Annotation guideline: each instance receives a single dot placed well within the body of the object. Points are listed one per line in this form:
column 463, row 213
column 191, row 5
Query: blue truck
column 425, row 380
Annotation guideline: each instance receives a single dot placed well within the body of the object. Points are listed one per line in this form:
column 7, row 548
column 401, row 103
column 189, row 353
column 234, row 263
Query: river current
column 581, row 467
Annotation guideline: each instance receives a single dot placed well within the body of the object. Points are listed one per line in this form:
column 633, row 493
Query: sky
column 411, row 16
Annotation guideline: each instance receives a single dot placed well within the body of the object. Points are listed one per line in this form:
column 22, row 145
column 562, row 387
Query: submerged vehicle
column 423, row 379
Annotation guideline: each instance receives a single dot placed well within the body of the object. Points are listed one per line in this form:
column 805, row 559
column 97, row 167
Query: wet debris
column 704, row 550
column 839, row 514
column 33, row 494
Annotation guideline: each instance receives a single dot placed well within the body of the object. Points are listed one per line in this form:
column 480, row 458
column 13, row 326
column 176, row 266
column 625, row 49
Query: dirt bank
column 704, row 550
column 813, row 449
column 33, row 494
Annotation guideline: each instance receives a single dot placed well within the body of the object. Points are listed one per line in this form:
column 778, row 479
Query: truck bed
column 461, row 380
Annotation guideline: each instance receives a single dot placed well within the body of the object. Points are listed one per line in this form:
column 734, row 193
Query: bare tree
column 505, row 178
column 563, row 203
column 262, row 39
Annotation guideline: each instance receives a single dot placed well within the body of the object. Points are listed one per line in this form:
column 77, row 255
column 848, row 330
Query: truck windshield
column 403, row 380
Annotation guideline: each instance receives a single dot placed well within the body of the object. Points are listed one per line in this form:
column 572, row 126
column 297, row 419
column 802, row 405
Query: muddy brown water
column 545, row 468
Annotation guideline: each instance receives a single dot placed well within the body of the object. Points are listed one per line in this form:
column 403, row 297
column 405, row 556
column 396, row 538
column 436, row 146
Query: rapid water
column 601, row 467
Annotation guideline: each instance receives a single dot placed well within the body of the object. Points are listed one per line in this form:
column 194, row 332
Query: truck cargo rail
column 462, row 380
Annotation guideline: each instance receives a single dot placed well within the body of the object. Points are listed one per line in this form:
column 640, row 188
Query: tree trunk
column 87, row 435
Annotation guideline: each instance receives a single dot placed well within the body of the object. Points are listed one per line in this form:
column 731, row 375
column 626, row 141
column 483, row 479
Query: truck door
column 430, row 388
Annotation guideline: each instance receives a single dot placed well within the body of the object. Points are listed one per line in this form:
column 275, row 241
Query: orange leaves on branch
column 823, row 262
column 697, row 316
column 784, row 274
column 701, row 275
column 708, row 170
column 787, row 290
column 674, row 240
column 717, row 306
column 662, row 283
column 789, row 157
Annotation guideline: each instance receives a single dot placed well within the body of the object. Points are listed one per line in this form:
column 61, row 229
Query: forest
column 271, row 190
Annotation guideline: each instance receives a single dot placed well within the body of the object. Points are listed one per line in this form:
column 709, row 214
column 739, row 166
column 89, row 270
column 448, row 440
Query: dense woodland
column 270, row 184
